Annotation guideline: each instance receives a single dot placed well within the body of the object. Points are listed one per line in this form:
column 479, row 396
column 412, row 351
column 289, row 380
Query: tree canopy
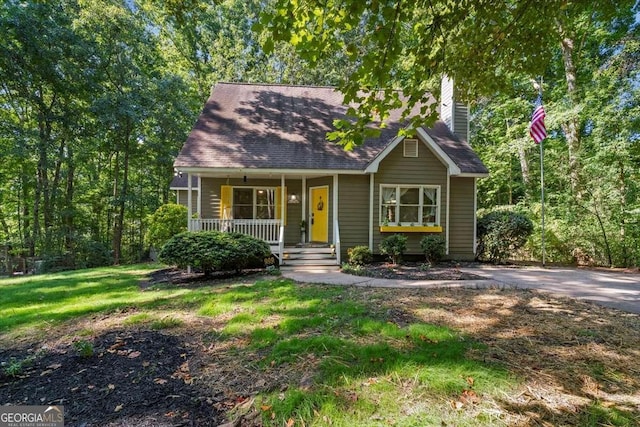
column 409, row 45
column 97, row 97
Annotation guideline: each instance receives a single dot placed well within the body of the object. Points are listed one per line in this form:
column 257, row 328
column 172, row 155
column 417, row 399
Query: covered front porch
column 284, row 210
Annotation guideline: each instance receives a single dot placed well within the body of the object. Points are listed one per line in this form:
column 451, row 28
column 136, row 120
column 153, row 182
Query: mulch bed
column 416, row 271
column 142, row 377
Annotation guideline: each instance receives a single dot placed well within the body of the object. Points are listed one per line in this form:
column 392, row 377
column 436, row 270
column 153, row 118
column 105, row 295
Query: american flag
column 537, row 130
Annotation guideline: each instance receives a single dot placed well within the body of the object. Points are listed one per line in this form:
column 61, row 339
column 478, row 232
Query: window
column 410, row 205
column 253, row 203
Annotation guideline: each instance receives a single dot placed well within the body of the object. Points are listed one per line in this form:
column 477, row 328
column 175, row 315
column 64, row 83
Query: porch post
column 283, row 198
column 189, row 210
column 199, row 198
column 189, row 203
column 304, row 206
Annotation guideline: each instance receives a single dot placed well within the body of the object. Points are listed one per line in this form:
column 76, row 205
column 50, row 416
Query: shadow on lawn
column 305, row 348
column 579, row 360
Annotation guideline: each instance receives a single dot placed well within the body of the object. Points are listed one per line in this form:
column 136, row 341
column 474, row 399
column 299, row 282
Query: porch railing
column 265, row 229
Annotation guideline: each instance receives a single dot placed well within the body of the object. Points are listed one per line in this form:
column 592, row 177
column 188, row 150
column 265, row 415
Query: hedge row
column 212, row 251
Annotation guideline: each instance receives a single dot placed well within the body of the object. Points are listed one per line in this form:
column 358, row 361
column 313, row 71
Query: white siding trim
column 189, row 200
column 283, row 200
column 375, row 163
column 335, row 207
column 199, row 198
column 304, row 207
column 213, row 172
column 452, row 168
column 372, row 180
column 475, row 220
column 448, row 211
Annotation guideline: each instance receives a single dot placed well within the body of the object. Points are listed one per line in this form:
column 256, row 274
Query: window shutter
column 410, row 148
column 280, row 203
column 226, row 192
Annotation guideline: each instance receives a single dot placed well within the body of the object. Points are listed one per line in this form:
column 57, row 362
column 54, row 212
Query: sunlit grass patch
column 166, row 323
column 45, row 300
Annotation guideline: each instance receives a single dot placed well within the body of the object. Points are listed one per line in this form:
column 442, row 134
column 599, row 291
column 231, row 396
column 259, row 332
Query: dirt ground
column 569, row 353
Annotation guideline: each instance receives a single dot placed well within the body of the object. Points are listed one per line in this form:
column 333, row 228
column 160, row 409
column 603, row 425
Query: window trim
column 388, row 226
column 412, row 143
column 254, row 199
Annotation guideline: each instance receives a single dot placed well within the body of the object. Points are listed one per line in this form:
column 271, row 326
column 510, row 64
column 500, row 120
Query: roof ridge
column 275, row 84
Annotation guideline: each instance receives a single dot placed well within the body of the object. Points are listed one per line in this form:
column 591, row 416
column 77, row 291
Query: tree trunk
column 118, row 226
column 67, row 216
column 524, row 167
column 571, row 127
column 622, row 191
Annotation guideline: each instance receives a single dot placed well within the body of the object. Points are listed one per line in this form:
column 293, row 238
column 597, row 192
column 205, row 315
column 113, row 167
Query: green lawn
column 361, row 366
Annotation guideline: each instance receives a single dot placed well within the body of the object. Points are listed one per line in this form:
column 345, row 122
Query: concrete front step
column 311, row 268
column 309, row 262
column 309, row 257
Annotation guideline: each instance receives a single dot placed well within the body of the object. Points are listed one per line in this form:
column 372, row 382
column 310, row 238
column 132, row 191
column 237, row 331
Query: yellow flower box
column 410, row 229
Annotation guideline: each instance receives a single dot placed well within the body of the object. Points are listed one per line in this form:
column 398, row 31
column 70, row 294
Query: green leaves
column 408, row 46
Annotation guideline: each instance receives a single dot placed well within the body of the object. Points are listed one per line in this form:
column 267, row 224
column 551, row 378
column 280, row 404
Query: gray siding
column 353, row 212
column 462, row 218
column 183, row 199
column 425, row 169
column 461, row 121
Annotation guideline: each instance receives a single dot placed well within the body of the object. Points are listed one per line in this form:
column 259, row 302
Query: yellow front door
column 319, row 199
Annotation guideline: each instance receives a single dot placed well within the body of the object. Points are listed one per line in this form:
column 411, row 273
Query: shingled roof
column 254, row 126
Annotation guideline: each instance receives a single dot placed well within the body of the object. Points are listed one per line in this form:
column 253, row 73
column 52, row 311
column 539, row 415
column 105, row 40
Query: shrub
column 90, row 254
column 167, row 221
column 500, row 233
column 434, row 247
column 214, row 251
column 359, row 255
column 394, row 246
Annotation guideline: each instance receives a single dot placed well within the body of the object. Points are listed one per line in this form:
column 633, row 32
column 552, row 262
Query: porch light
column 293, row 199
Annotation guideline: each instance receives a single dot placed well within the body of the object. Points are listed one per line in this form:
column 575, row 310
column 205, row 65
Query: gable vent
column 411, row 148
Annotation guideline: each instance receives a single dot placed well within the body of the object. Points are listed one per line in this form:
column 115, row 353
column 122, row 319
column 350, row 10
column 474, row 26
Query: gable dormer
column 454, row 114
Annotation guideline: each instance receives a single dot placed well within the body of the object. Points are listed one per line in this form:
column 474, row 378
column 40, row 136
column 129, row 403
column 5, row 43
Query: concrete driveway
column 608, row 288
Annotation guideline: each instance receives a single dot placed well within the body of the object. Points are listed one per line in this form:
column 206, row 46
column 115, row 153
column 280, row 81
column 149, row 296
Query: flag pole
column 542, row 191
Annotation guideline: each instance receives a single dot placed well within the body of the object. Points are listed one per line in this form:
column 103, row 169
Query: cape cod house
column 257, row 161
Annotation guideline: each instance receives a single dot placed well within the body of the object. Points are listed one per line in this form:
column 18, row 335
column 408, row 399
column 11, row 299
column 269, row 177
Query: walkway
column 608, row 288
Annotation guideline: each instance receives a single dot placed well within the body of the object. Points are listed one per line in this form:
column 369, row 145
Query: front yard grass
column 268, row 351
